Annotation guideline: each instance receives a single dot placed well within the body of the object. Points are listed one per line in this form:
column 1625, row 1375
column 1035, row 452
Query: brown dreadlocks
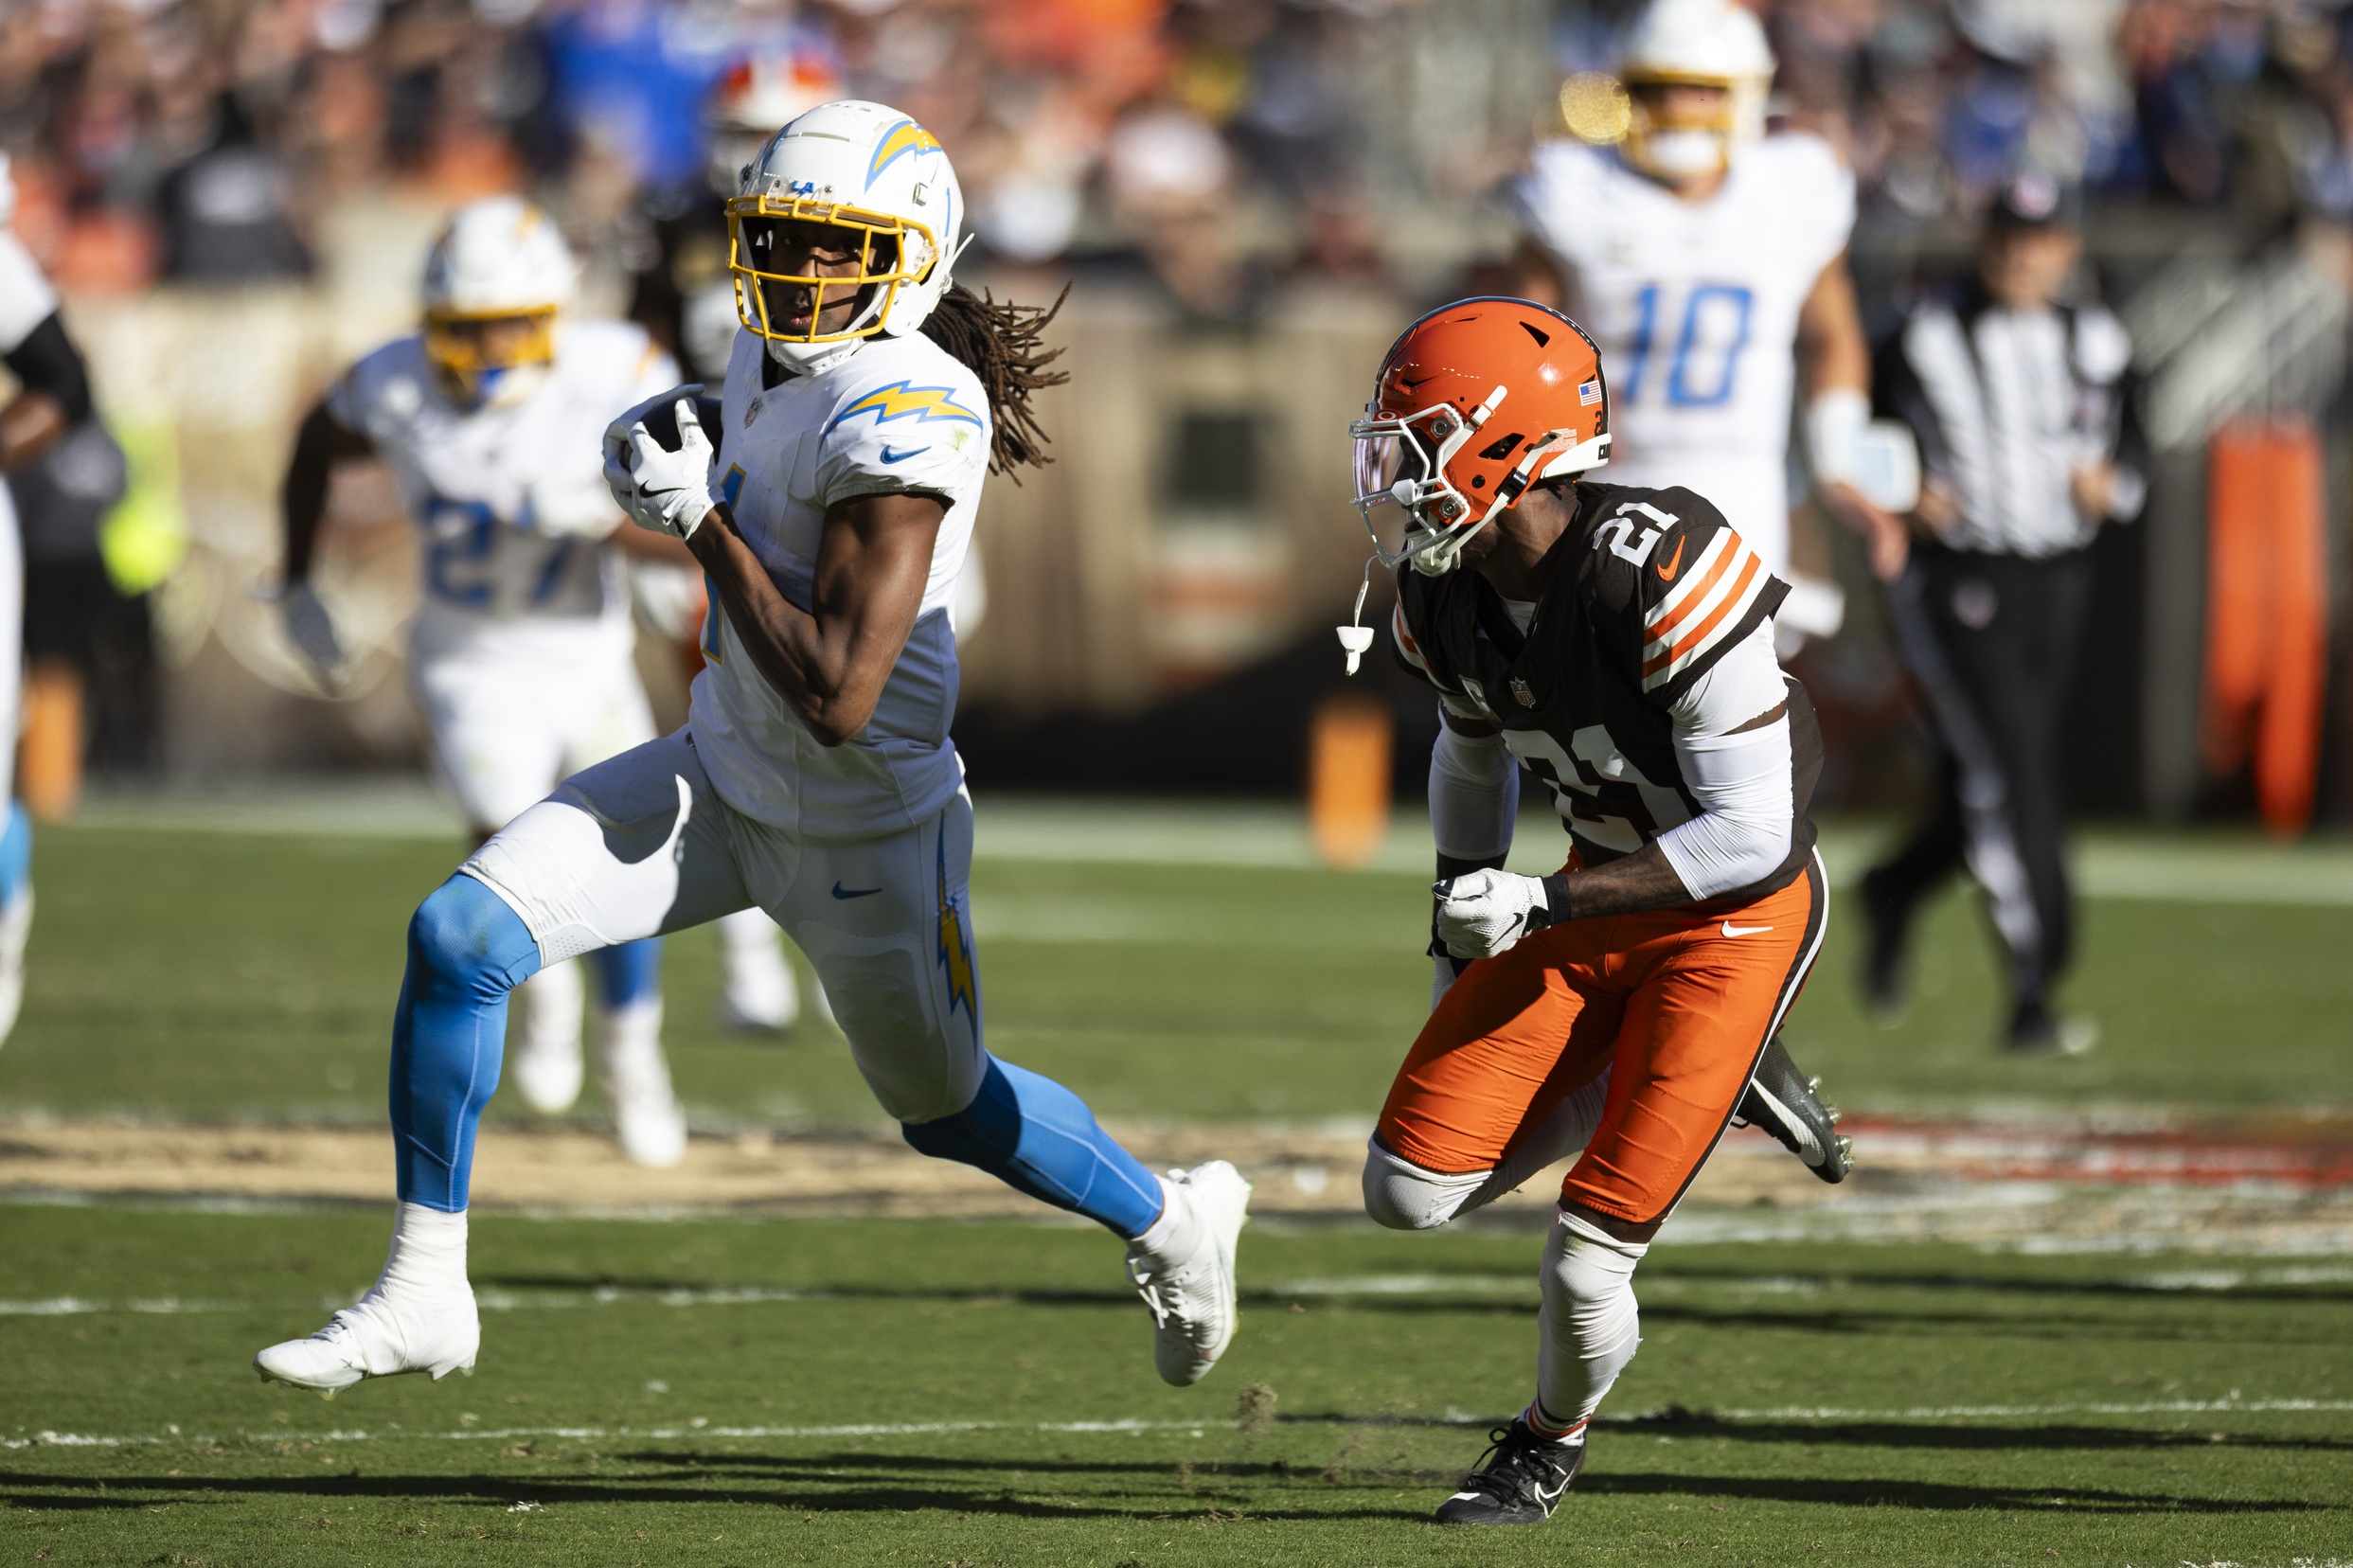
column 1003, row 343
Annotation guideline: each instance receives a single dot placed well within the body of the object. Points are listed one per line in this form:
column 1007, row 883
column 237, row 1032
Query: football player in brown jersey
column 1617, row 642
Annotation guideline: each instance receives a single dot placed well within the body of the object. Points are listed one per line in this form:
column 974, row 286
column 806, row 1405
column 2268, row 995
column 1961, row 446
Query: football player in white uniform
column 521, row 655
column 53, row 396
column 864, row 405
column 1709, row 263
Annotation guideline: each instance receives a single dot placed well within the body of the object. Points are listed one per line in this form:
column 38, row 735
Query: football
column 661, row 421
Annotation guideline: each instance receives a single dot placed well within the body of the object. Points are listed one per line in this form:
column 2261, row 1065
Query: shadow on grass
column 849, row 1481
column 1974, row 1435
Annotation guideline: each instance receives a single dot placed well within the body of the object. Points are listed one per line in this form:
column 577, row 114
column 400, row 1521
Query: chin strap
column 1356, row 638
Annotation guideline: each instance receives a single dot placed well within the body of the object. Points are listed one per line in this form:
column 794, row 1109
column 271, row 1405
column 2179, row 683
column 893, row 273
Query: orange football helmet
column 1476, row 402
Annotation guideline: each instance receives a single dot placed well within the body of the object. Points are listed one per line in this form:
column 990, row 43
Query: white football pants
column 642, row 846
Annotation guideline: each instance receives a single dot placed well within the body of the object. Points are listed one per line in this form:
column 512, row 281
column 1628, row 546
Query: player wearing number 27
column 1618, row 641
column 1708, row 259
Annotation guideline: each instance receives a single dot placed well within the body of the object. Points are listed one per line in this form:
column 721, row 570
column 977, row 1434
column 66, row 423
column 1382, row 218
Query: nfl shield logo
column 1520, row 689
column 751, row 412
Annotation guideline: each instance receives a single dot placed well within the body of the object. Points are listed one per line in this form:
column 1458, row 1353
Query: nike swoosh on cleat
column 1672, row 565
column 890, row 456
column 841, row 892
column 1731, row 930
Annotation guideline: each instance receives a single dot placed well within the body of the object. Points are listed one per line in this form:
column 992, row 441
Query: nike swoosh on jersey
column 1672, row 565
column 890, row 456
column 1730, row 930
column 841, row 892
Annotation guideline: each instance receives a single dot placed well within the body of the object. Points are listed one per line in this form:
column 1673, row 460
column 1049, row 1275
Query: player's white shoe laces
column 16, row 924
column 637, row 1082
column 1187, row 1277
column 420, row 1316
column 546, row 1068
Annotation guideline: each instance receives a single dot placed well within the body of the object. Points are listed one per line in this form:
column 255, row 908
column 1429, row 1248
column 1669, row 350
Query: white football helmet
column 867, row 168
column 1696, row 43
column 498, row 259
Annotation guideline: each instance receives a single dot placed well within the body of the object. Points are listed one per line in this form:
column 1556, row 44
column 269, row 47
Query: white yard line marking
column 938, row 1429
column 493, row 1299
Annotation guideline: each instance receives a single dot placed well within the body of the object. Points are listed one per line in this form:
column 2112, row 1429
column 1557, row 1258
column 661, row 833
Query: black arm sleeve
column 47, row 361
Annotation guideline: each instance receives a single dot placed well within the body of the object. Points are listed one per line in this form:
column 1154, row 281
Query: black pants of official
column 1992, row 641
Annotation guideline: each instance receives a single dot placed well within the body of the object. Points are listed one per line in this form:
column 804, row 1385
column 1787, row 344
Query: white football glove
column 666, row 491
column 311, row 630
column 1484, row 913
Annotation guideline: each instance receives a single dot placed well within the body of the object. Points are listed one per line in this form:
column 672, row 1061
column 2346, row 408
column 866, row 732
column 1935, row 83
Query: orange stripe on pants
column 1677, row 1009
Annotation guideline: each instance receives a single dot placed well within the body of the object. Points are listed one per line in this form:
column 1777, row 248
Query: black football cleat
column 1786, row 1104
column 1519, row 1480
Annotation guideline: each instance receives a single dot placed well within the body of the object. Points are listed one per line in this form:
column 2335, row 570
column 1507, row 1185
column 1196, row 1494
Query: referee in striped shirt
column 2019, row 402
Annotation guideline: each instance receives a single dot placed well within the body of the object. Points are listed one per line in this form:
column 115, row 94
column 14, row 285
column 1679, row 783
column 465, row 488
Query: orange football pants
column 1680, row 1006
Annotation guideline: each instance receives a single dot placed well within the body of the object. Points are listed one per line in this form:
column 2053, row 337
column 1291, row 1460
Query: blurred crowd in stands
column 200, row 141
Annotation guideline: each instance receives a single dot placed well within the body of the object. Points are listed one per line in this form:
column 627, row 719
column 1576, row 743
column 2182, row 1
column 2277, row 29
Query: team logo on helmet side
column 900, row 140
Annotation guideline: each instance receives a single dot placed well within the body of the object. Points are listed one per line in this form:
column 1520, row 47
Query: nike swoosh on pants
column 841, row 892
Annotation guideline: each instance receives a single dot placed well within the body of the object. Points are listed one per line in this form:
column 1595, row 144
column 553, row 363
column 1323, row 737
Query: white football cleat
column 637, row 1082
column 762, row 995
column 419, row 1316
column 1187, row 1280
column 378, row 1338
column 17, row 925
column 545, row 1064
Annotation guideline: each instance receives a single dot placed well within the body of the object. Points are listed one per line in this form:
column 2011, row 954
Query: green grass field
column 938, row 1394
column 799, row 1390
column 228, row 975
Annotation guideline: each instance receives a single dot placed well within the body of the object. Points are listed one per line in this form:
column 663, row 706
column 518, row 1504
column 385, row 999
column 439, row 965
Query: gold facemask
column 463, row 361
column 907, row 238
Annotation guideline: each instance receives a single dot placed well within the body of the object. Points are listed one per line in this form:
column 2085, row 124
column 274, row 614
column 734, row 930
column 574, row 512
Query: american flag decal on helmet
column 1588, row 394
column 1704, row 609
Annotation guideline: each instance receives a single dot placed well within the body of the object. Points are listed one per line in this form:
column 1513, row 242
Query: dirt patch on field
column 2266, row 1184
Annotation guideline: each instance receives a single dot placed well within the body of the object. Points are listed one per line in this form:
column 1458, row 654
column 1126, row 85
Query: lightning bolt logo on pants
column 955, row 946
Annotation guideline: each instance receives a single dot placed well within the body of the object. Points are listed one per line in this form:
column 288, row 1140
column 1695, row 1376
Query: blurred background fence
column 1247, row 198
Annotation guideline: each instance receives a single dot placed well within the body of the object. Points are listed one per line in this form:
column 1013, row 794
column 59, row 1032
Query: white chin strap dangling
column 1356, row 638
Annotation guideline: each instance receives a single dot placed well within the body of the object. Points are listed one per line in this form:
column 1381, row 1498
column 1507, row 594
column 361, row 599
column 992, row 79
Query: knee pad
column 1403, row 1196
column 464, row 939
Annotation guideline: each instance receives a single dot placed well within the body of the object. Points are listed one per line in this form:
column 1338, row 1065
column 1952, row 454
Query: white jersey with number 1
column 1694, row 306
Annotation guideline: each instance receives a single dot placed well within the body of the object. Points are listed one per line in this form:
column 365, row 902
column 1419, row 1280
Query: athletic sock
column 1176, row 1234
column 1589, row 1326
column 427, row 1254
column 1551, row 1428
column 1037, row 1136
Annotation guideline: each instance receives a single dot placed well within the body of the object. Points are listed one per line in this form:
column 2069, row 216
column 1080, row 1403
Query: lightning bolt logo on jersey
column 902, row 401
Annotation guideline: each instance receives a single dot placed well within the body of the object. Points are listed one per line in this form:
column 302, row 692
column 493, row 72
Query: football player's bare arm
column 323, row 441
column 829, row 662
column 1835, row 357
